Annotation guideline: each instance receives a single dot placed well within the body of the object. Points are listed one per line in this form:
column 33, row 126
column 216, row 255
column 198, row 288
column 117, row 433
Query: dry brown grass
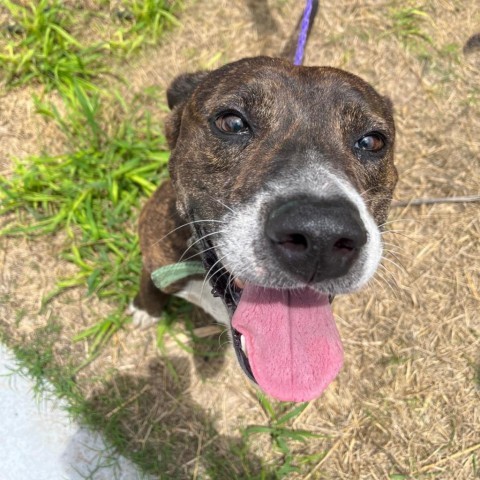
column 408, row 398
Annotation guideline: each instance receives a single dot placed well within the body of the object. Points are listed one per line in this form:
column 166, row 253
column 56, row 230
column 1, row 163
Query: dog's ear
column 388, row 105
column 182, row 87
column 177, row 94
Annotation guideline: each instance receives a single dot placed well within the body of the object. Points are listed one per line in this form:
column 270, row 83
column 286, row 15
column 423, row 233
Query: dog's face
column 288, row 173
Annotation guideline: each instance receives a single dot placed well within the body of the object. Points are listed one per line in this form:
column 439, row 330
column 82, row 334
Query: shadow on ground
column 153, row 420
column 262, row 17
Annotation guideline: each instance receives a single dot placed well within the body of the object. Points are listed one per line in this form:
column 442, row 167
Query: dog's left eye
column 373, row 142
column 231, row 123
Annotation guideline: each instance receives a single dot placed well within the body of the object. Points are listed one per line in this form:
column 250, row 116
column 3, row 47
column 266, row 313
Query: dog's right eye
column 373, row 142
column 231, row 123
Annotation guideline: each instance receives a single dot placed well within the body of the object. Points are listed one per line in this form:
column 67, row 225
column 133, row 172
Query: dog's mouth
column 230, row 291
column 286, row 341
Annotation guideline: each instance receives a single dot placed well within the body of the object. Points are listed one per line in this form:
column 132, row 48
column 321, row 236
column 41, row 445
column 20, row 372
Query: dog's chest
column 198, row 293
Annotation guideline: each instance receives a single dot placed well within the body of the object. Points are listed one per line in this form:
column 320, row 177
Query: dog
column 281, row 178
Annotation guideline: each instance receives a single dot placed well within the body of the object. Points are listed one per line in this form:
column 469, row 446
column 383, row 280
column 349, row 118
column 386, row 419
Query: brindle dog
column 281, row 178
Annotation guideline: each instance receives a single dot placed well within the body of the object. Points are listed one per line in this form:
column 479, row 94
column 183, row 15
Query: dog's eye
column 373, row 142
column 231, row 123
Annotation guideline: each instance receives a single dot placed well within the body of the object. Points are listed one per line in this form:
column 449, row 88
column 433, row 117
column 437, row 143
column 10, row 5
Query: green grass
column 45, row 42
column 41, row 48
column 280, row 416
column 407, row 25
column 139, row 23
column 38, row 354
column 91, row 192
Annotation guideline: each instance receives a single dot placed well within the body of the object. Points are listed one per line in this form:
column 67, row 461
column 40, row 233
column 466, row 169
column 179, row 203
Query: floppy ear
column 178, row 93
column 182, row 87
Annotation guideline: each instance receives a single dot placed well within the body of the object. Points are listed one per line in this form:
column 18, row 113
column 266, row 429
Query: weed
column 281, row 435
column 42, row 49
column 406, row 25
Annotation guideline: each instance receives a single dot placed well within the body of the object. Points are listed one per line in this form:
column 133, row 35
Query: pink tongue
column 292, row 343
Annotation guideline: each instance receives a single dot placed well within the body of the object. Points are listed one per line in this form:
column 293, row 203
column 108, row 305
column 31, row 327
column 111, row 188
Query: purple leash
column 302, row 37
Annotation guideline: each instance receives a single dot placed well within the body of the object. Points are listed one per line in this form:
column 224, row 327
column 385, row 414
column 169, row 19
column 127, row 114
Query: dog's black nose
column 316, row 240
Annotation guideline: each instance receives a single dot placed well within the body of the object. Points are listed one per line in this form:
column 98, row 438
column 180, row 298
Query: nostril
column 294, row 242
column 344, row 244
column 315, row 239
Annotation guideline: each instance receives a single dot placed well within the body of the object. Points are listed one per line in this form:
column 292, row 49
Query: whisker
column 206, row 281
column 383, row 284
column 393, row 253
column 203, row 251
column 206, row 276
column 390, row 274
column 232, row 277
column 386, row 282
column 240, row 273
column 396, row 254
column 399, row 232
column 218, row 270
column 184, row 225
column 221, row 203
column 199, row 240
column 393, row 250
column 214, row 273
column 396, row 245
column 220, row 344
column 400, row 267
column 374, row 281
column 366, row 191
column 399, row 220
column 226, row 342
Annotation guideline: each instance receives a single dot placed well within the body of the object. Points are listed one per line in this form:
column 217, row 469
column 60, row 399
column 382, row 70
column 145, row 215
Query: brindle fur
column 293, row 110
column 163, row 239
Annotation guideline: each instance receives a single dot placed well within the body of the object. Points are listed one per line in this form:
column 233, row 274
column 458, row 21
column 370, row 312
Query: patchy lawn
column 79, row 159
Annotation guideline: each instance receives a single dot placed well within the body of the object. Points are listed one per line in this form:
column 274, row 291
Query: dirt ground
column 407, row 401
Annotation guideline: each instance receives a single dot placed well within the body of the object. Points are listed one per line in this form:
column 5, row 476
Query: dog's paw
column 140, row 318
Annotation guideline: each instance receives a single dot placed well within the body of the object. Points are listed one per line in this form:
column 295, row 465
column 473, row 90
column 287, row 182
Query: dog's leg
column 147, row 306
column 163, row 239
